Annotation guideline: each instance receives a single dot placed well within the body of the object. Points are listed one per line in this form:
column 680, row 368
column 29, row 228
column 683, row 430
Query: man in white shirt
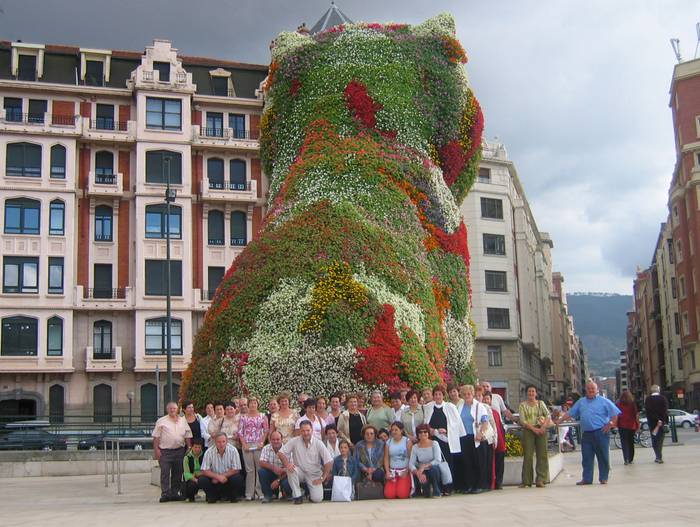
column 272, row 472
column 170, row 437
column 220, row 476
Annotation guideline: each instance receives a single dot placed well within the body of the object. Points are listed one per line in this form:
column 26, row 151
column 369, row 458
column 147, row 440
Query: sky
column 577, row 91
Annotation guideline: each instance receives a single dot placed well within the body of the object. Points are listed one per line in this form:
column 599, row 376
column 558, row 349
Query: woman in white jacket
column 475, row 418
column 446, row 428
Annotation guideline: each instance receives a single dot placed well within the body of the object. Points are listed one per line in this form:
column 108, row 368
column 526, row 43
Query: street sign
column 680, row 393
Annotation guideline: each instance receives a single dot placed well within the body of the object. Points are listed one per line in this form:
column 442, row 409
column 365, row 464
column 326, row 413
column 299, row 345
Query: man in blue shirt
column 597, row 415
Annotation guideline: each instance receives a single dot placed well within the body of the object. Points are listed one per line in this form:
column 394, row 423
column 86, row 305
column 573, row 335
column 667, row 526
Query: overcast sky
column 577, row 90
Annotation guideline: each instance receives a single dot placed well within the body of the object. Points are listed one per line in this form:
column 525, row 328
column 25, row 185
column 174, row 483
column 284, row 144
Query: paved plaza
column 642, row 494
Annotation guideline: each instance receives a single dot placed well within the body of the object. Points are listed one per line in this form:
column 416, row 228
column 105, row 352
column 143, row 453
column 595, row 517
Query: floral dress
column 285, row 425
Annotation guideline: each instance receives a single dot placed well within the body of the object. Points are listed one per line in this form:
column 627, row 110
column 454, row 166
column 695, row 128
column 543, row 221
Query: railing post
column 674, row 432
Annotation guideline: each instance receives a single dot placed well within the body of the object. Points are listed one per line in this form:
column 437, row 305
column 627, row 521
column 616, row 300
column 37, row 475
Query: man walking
column 170, row 436
column 312, row 464
column 221, row 471
column 597, row 415
column 656, row 407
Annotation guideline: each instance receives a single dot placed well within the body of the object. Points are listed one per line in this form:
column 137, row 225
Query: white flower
column 460, row 343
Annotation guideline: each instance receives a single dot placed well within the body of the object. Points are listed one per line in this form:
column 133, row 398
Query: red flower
column 455, row 243
column 379, row 361
column 361, row 104
column 452, row 160
column 294, row 88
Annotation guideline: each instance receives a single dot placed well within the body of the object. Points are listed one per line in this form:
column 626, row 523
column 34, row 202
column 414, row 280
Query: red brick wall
column 257, row 221
column 85, row 109
column 256, row 174
column 197, row 257
column 124, row 167
column 83, row 168
column 254, row 126
column 83, row 242
column 63, row 110
column 196, row 117
column 123, row 247
column 197, row 164
column 124, row 112
column 688, row 91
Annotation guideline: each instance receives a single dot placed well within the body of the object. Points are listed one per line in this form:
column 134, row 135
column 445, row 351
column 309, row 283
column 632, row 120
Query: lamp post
column 130, row 396
column 170, row 195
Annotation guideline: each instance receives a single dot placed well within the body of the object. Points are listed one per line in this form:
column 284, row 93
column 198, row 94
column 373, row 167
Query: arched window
column 238, row 174
column 239, row 235
column 161, row 162
column 215, row 172
column 102, row 339
column 58, row 162
column 23, row 160
column 102, row 403
column 22, row 216
column 104, row 167
column 56, row 403
column 156, row 336
column 19, row 337
column 215, row 226
column 54, row 337
column 156, row 221
column 57, row 215
column 103, row 223
column 149, row 403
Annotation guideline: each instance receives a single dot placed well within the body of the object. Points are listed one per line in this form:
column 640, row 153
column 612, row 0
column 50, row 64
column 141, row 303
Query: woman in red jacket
column 627, row 423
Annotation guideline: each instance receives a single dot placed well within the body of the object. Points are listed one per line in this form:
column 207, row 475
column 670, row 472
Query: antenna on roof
column 676, row 45
column 697, row 30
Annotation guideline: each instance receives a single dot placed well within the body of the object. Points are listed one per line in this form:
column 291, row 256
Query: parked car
column 682, row 418
column 31, row 439
column 96, row 442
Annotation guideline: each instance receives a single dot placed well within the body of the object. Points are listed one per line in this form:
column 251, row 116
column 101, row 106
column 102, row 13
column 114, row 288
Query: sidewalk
column 641, row 494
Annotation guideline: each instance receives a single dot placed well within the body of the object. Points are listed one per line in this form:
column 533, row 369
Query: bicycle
column 641, row 438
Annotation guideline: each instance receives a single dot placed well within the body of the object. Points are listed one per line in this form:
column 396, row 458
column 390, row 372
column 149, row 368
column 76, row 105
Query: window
column 156, row 336
column 163, row 69
column 20, row 274
column 55, row 275
column 681, row 285
column 94, row 73
column 156, row 220
column 56, row 406
column 484, row 175
column 215, row 124
column 214, row 277
column 495, row 356
column 13, row 109
column 686, row 324
column 215, row 173
column 677, row 323
column 19, row 337
column 103, row 223
column 238, row 177
column 236, row 121
column 219, row 86
column 37, row 109
column 498, row 318
column 679, row 250
column 156, row 277
column 104, row 117
column 679, row 356
column 215, row 227
column 104, row 168
column 102, row 403
column 496, row 281
column 54, row 337
column 22, row 216
column 102, row 339
column 495, row 244
column 58, row 162
column 492, row 208
column 669, row 242
column 673, row 287
column 159, row 163
column 57, row 214
column 238, row 228
column 102, row 281
column 163, row 114
column 26, row 68
column 23, row 160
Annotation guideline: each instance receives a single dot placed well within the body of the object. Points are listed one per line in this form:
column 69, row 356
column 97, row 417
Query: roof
column 331, row 18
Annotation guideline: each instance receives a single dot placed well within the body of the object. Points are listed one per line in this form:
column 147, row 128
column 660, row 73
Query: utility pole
column 169, row 198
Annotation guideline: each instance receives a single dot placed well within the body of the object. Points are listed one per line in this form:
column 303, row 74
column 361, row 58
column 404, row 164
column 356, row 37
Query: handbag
column 342, row 489
column 370, row 490
column 445, row 472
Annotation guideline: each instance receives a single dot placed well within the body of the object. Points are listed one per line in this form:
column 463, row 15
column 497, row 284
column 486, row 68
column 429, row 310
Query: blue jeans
column 266, row 479
column 595, row 443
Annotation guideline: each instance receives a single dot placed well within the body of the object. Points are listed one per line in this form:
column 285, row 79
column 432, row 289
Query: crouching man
column 220, row 477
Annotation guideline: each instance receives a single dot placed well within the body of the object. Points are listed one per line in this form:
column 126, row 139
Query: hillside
column 601, row 321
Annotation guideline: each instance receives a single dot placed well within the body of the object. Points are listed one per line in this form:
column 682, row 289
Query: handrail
column 119, row 441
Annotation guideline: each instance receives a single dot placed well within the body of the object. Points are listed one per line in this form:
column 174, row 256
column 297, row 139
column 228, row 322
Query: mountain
column 600, row 319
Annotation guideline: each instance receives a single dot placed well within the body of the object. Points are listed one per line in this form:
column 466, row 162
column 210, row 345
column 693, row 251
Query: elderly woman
column 272, row 408
column 446, row 428
column 252, row 433
column 370, row 454
column 424, row 462
column 379, row 414
column 534, row 419
column 322, row 411
column 397, row 452
column 412, row 416
column 454, row 396
column 285, row 418
column 475, row 419
column 500, row 449
column 317, row 424
column 229, row 425
column 351, row 422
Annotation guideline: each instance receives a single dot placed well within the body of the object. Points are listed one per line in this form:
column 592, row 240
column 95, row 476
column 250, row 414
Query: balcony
column 105, row 185
column 103, row 360
column 227, row 191
column 39, row 124
column 103, row 298
column 105, row 129
column 245, row 140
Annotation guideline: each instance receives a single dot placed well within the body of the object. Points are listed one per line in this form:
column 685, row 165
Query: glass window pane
column 30, row 275
column 12, row 219
column 154, row 105
column 175, row 224
column 172, row 121
column 172, row 106
column 153, row 225
column 31, row 221
column 11, row 276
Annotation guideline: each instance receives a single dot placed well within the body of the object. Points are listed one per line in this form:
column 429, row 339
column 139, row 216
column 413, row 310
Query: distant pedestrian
column 627, row 424
column 597, row 415
column 656, row 407
column 170, row 437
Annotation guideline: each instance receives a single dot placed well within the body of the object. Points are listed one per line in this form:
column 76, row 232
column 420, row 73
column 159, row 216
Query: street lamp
column 130, row 396
column 170, row 195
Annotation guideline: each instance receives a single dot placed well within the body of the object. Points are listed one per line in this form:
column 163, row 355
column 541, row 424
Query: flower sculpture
column 359, row 277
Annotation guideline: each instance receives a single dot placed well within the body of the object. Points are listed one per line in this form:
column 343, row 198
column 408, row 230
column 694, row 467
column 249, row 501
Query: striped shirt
column 268, row 455
column 221, row 463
